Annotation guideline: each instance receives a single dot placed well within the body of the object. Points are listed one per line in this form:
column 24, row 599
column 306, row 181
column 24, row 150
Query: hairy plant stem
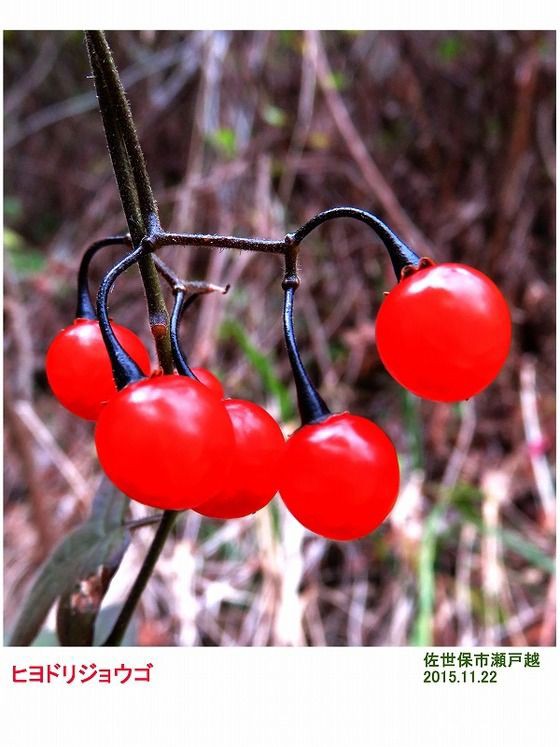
column 163, row 531
column 133, row 182
column 85, row 308
column 400, row 254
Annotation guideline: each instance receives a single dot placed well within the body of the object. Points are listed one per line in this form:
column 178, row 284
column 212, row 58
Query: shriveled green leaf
column 92, row 551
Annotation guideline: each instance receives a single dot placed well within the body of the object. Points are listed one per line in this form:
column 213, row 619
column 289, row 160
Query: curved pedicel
column 125, row 370
column 180, row 305
column 401, row 254
column 84, row 306
column 312, row 408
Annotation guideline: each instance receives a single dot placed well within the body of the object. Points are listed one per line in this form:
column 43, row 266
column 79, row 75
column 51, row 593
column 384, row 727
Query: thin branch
column 164, row 529
column 145, row 521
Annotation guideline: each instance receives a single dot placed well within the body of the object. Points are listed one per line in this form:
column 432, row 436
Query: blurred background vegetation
column 449, row 137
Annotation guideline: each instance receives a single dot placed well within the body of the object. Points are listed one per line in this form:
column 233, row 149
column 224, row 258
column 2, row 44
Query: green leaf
column 24, row 260
column 224, row 141
column 274, row 511
column 288, row 38
column 86, row 558
column 337, row 81
column 422, row 634
column 263, row 365
column 516, row 543
column 450, row 47
column 466, row 498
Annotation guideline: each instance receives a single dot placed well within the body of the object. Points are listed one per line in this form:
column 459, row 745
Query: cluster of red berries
column 170, row 442
column 174, row 442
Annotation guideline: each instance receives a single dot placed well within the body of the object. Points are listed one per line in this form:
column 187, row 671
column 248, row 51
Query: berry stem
column 163, row 531
column 181, row 304
column 84, row 306
column 312, row 408
column 400, row 253
column 125, row 369
column 217, row 241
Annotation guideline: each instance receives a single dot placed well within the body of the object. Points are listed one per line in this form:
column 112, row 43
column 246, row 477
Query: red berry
column 340, row 477
column 79, row 370
column 166, row 442
column 207, row 378
column 255, row 473
column 444, row 332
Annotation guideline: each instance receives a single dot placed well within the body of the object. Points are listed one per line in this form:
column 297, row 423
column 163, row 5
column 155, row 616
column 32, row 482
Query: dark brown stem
column 133, row 181
column 164, row 529
column 400, row 254
column 221, row 242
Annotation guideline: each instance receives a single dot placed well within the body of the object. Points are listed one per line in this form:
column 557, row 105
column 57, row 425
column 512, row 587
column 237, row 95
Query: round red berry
column 255, row 473
column 444, row 332
column 79, row 370
column 166, row 442
column 207, row 378
column 340, row 477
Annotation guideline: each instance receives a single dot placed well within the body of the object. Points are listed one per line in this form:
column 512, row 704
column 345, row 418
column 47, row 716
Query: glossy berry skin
column 79, row 370
column 257, row 454
column 166, row 442
column 444, row 332
column 207, row 378
column 340, row 477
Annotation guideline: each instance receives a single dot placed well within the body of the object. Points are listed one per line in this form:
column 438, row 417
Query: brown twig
column 355, row 144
